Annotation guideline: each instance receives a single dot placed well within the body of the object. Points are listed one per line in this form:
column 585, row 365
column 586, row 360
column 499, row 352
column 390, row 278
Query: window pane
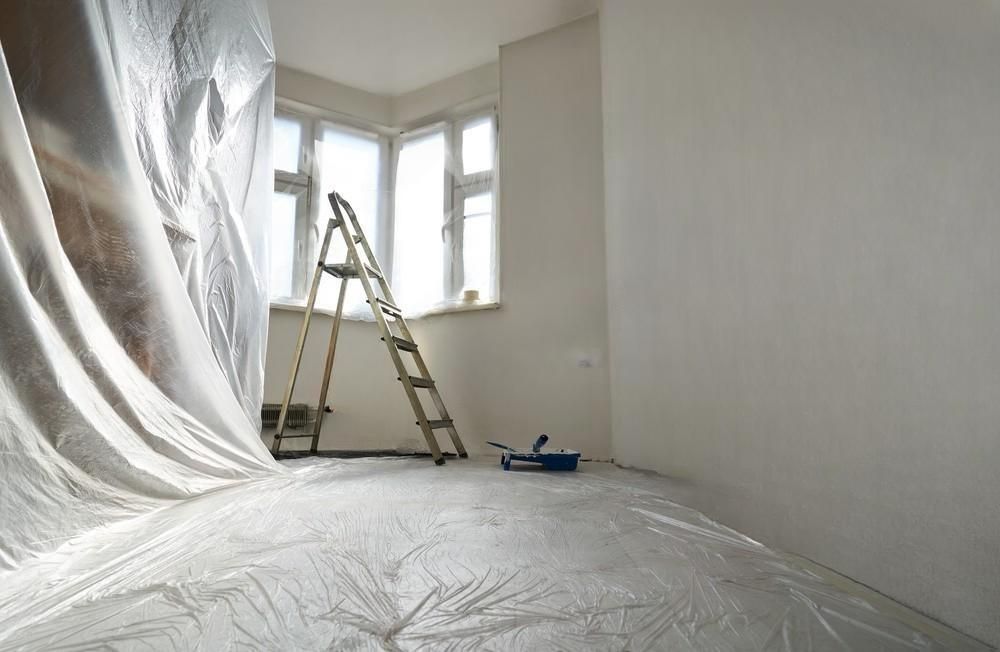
column 283, row 208
column 477, row 146
column 418, row 250
column 348, row 163
column 477, row 244
column 287, row 143
column 481, row 204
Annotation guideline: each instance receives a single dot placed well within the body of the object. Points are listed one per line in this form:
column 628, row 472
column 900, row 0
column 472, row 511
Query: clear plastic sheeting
column 197, row 79
column 403, row 555
column 157, row 110
column 134, row 187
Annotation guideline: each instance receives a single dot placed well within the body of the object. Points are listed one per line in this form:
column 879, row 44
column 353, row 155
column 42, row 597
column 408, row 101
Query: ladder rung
column 417, row 381
column 357, row 239
column 439, row 423
column 389, row 309
column 403, row 345
column 341, row 270
column 347, row 270
column 293, row 436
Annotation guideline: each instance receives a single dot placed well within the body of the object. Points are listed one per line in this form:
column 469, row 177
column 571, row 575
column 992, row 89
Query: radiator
column 299, row 414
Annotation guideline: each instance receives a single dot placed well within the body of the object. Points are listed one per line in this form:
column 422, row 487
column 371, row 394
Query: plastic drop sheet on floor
column 398, row 554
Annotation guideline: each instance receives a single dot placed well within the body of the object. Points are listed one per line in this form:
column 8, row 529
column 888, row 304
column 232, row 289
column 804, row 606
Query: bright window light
column 476, row 243
column 418, row 269
column 477, row 146
column 283, row 207
column 348, row 163
column 287, row 143
column 430, row 221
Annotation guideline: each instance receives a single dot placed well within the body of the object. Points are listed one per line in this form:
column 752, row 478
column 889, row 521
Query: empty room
column 499, row 325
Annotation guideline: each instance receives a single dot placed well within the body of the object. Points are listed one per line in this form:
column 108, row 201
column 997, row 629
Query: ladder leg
column 418, row 359
column 383, row 326
column 425, row 427
column 300, row 345
column 411, row 393
column 330, row 352
column 422, row 369
column 443, row 411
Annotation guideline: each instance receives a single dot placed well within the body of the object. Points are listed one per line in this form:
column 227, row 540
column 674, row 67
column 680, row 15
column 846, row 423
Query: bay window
column 433, row 229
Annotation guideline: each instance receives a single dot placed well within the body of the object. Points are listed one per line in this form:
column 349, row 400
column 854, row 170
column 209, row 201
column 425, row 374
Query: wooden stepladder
column 361, row 264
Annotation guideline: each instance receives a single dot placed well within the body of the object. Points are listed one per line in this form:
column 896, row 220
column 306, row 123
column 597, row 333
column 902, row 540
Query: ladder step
column 389, row 309
column 293, row 436
column 403, row 345
column 439, row 423
column 347, row 270
column 417, row 381
column 357, row 239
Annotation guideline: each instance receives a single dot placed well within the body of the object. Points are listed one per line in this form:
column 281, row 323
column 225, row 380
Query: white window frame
column 398, row 141
column 301, row 183
column 466, row 185
column 307, row 231
column 456, row 187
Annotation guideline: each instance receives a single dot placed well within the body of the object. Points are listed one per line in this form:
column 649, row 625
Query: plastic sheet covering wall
column 196, row 80
column 134, row 188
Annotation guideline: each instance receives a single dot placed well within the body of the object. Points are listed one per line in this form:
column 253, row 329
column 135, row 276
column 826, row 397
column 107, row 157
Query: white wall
column 512, row 373
column 448, row 93
column 803, row 216
column 302, row 87
column 389, row 110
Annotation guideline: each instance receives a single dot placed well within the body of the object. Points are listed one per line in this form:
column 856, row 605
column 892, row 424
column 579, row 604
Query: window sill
column 446, row 308
column 295, row 306
column 442, row 309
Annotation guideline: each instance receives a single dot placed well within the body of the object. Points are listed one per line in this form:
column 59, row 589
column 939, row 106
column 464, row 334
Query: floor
column 398, row 554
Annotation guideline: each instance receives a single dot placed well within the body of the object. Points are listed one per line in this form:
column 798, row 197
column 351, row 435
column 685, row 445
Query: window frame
column 301, row 182
column 464, row 186
column 403, row 137
column 308, row 232
column 456, row 187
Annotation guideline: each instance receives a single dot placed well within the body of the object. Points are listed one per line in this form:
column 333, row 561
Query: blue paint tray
column 560, row 460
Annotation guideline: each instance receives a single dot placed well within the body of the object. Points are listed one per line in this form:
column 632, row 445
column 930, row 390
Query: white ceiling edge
column 428, row 42
column 302, row 92
column 415, row 106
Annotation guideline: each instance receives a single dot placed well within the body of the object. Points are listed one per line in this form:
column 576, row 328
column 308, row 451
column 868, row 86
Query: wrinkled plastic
column 197, row 81
column 402, row 555
column 134, row 190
